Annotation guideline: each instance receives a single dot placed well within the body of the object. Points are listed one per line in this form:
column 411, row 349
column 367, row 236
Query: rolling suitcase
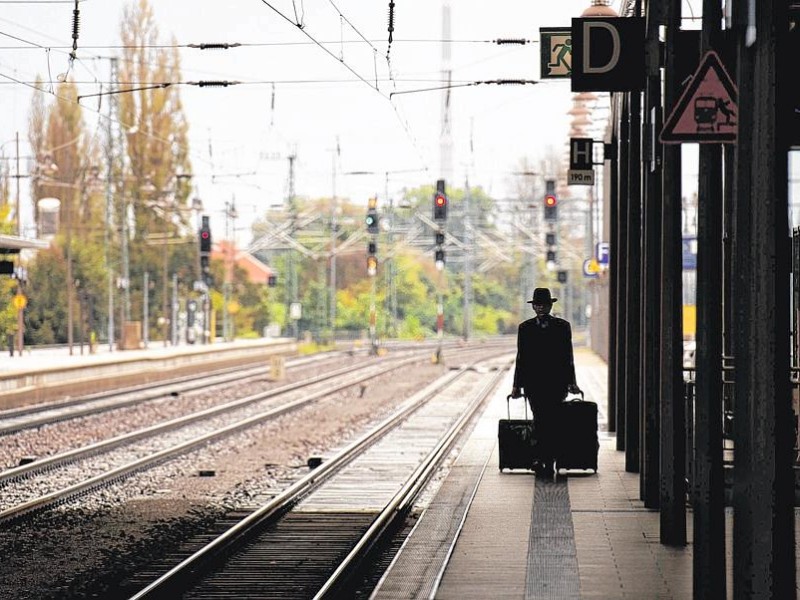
column 515, row 440
column 578, row 442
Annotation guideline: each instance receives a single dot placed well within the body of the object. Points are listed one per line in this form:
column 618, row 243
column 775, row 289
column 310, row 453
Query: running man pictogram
column 563, row 52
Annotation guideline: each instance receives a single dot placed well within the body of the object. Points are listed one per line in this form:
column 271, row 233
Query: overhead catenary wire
column 229, row 45
column 265, row 82
column 470, row 84
column 331, row 54
column 403, row 123
column 101, row 115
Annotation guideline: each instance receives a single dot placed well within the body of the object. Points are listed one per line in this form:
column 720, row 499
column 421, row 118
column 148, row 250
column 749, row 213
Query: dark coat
column 545, row 364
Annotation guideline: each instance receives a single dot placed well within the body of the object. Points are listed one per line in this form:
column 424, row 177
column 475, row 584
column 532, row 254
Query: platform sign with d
column 608, row 54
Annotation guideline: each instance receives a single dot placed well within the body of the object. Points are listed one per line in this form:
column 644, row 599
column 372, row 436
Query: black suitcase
column 578, row 442
column 515, row 440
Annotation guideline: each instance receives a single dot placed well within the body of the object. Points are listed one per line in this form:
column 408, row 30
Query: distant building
column 257, row 271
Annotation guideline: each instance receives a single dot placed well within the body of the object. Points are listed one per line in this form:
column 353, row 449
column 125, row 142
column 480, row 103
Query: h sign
column 608, row 54
column 580, row 153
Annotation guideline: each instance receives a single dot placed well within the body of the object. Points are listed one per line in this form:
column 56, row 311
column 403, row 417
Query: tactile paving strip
column 552, row 557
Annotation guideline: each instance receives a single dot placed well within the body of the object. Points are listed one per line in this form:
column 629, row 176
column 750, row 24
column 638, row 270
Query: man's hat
column 542, row 296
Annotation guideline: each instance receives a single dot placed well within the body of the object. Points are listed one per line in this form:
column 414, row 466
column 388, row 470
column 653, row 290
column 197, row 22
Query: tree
column 65, row 154
column 155, row 175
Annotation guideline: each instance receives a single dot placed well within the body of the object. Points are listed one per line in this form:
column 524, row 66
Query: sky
column 324, row 92
column 334, row 122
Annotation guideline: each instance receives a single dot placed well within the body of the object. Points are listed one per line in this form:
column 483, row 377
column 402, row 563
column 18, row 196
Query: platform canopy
column 13, row 244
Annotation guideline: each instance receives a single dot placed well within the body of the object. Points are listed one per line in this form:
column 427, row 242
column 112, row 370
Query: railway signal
column 550, row 208
column 550, row 200
column 438, row 257
column 205, row 236
column 439, row 207
column 440, row 202
column 205, row 270
column 372, row 265
column 371, row 219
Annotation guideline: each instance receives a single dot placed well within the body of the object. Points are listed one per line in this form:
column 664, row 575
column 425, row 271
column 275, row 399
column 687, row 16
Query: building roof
column 257, row 271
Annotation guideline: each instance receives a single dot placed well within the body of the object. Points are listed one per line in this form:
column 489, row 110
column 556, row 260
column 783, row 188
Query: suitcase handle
column 582, row 398
column 508, row 406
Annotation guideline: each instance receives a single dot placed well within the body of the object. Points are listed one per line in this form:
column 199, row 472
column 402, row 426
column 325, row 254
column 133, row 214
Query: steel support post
column 673, row 418
column 764, row 522
column 614, row 337
column 650, row 465
column 633, row 299
column 708, row 496
column 624, row 347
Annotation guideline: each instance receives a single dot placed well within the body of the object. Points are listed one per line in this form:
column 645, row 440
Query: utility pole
column 70, row 287
column 230, row 220
column 446, row 138
column 110, row 135
column 292, row 291
column 468, row 240
column 334, row 234
column 20, row 310
column 389, row 264
column 17, row 220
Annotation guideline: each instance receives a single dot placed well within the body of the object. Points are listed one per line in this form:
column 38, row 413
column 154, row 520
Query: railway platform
column 582, row 535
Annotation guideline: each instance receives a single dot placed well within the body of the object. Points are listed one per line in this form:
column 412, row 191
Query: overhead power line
column 470, row 84
column 210, row 83
column 229, row 45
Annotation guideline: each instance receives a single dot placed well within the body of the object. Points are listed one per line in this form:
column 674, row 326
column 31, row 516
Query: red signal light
column 550, row 200
column 205, row 235
column 440, row 200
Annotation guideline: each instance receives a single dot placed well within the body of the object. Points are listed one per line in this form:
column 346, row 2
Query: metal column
column 764, row 541
column 650, row 455
column 673, row 423
column 709, row 484
column 634, row 284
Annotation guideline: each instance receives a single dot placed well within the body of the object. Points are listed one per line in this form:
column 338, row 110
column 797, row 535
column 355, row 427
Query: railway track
column 29, row 417
column 167, row 440
column 312, row 539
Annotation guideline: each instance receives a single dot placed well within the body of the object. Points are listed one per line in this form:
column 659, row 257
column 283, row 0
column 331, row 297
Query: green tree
column 156, row 178
column 65, row 156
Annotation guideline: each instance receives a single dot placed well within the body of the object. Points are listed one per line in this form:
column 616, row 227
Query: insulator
column 520, row 41
column 76, row 24
column 391, row 19
column 217, row 46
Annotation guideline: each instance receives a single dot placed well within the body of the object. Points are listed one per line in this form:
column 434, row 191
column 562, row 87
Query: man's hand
column 516, row 393
column 573, row 388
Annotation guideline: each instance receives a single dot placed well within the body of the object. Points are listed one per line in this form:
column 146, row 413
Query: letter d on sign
column 587, row 36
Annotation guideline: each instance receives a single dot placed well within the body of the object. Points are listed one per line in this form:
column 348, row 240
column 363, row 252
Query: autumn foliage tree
column 156, row 170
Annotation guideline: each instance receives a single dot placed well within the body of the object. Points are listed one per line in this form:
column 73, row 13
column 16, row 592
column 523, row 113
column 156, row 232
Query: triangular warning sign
column 707, row 111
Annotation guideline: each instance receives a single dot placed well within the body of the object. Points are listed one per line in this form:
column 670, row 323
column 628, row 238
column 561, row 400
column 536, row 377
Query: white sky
column 374, row 133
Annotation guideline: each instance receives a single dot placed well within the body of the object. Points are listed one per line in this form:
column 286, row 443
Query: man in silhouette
column 544, row 374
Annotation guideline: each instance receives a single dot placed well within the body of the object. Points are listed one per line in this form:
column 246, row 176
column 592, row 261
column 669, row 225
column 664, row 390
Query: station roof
column 13, row 243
